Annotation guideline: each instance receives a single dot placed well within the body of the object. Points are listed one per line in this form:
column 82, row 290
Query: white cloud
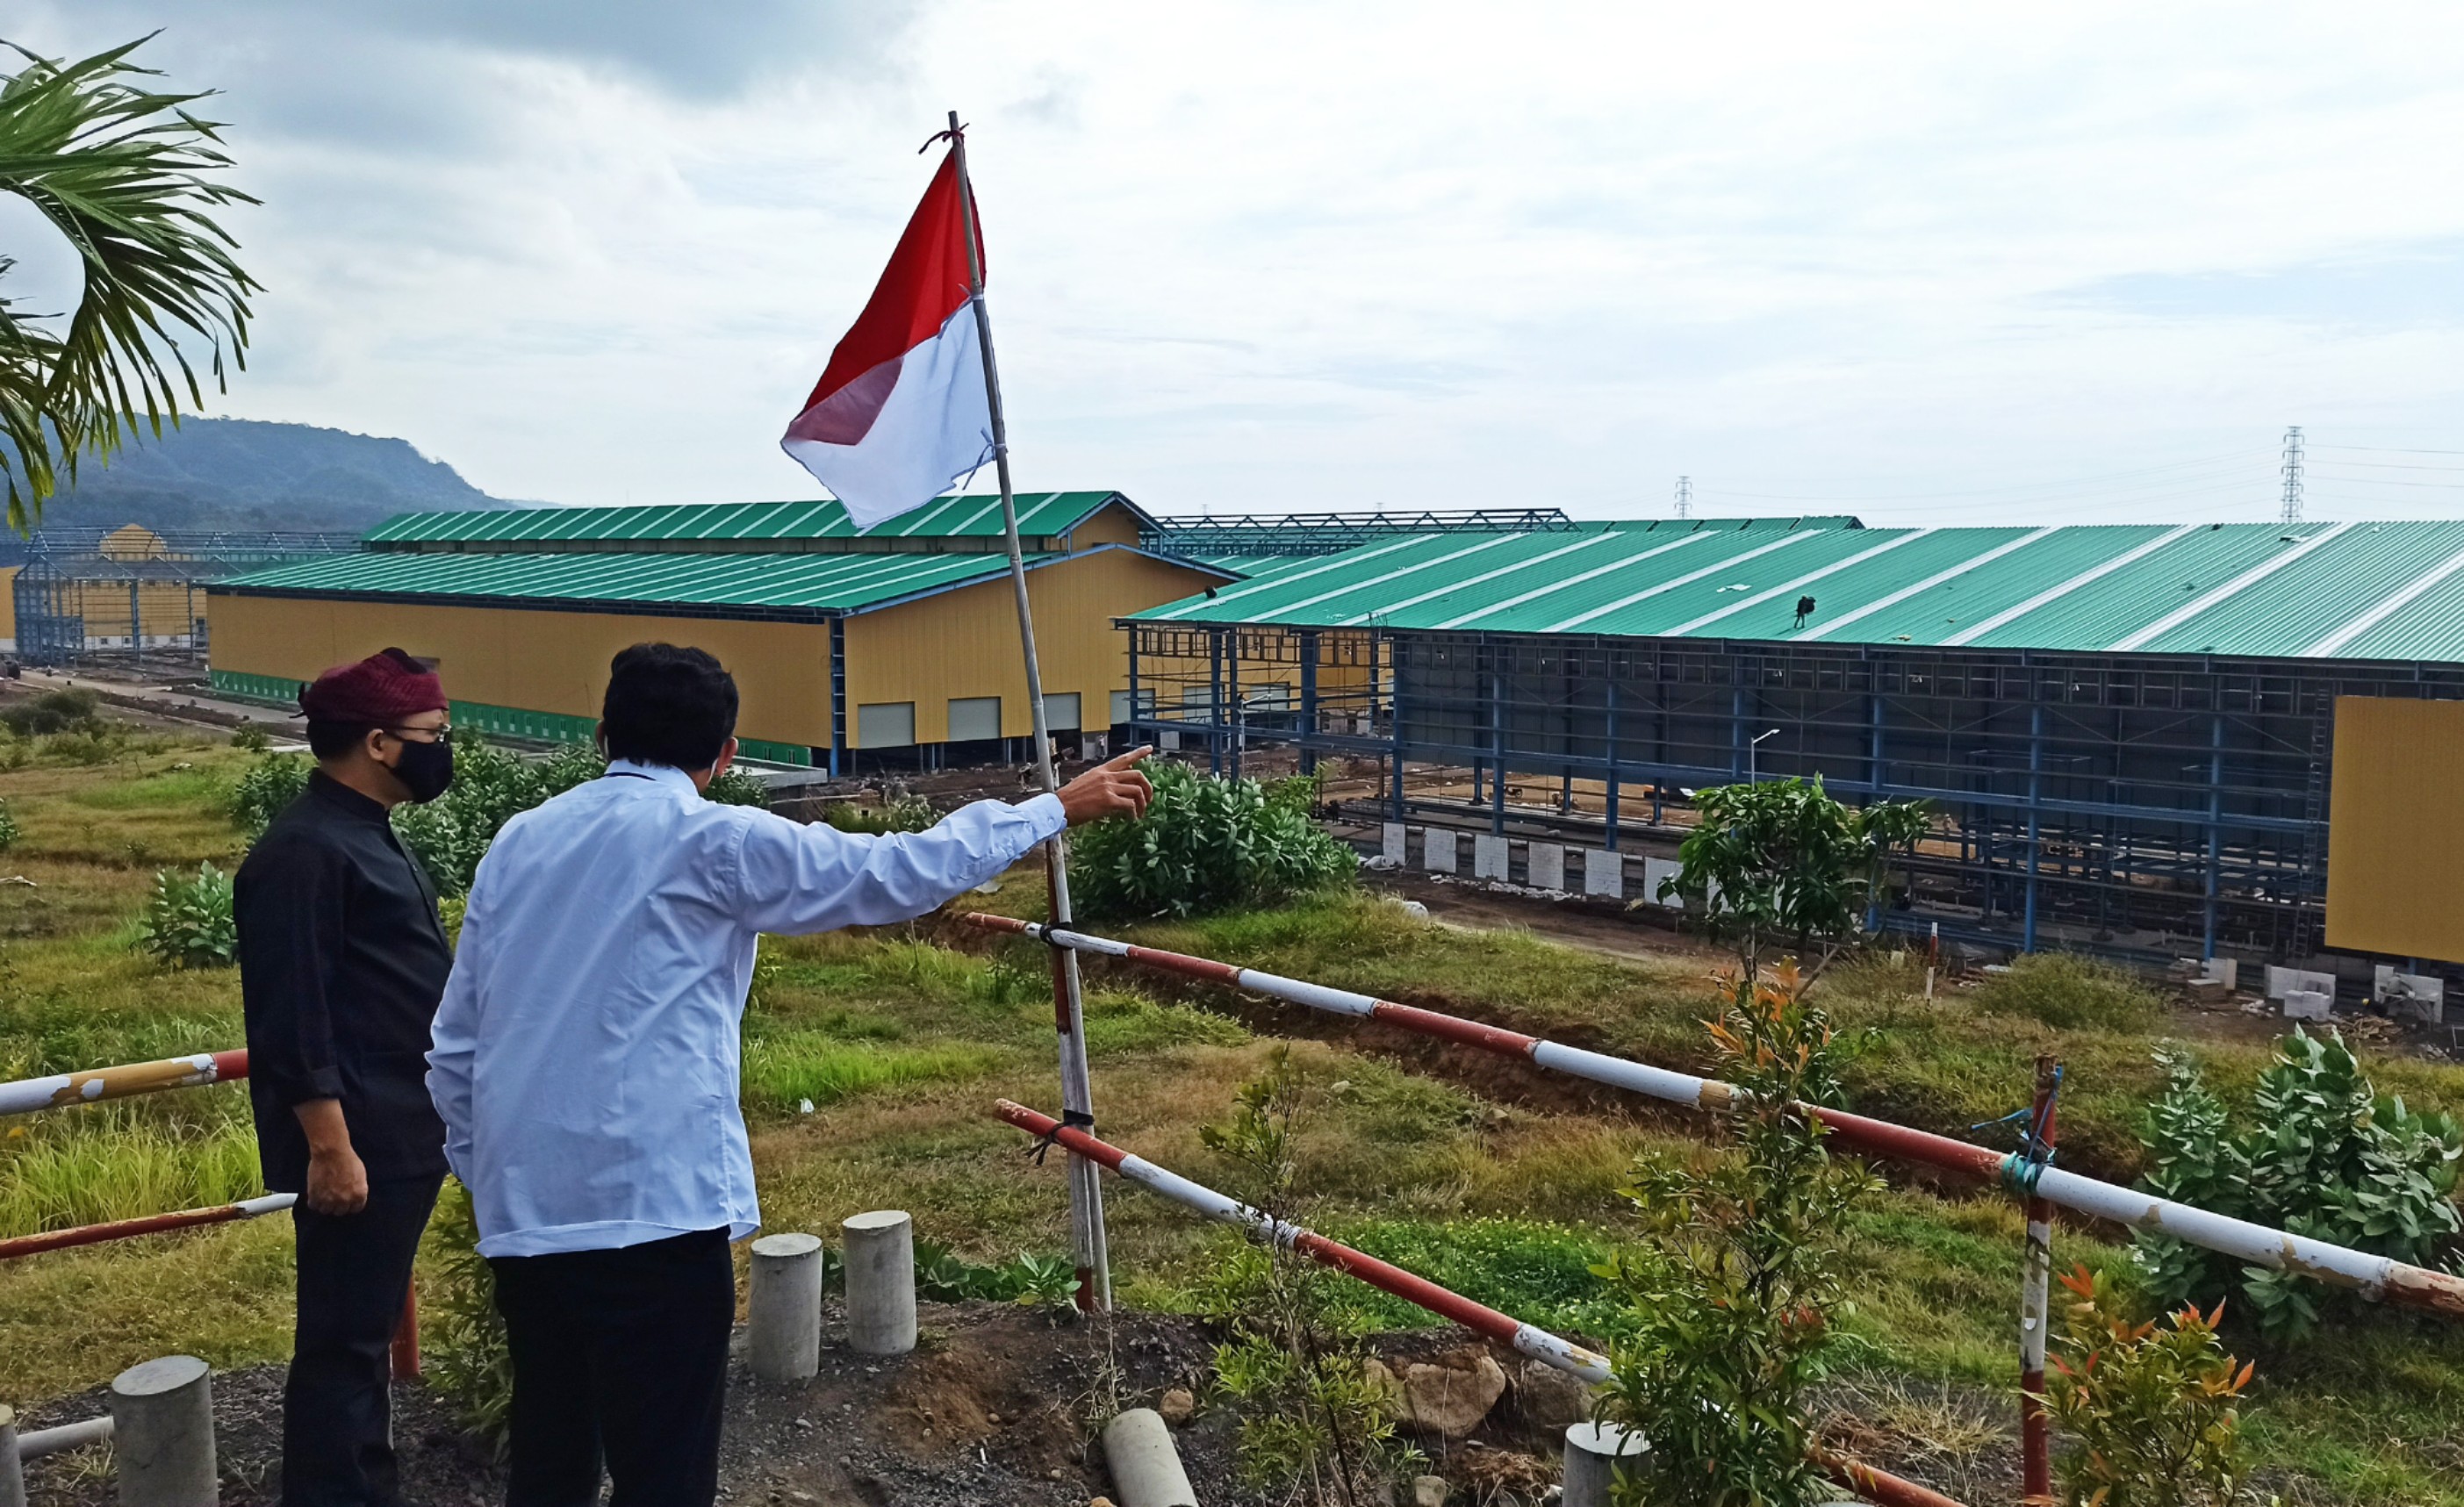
column 1935, row 258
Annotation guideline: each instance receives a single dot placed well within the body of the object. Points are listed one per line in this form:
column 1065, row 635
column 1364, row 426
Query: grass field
column 899, row 1044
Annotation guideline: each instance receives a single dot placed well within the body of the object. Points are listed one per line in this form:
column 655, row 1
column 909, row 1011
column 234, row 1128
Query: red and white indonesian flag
column 901, row 412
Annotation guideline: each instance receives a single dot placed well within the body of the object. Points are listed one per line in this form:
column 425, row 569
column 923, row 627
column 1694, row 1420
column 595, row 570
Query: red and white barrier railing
column 2373, row 1275
column 147, row 1224
column 60, row 1090
column 1479, row 1317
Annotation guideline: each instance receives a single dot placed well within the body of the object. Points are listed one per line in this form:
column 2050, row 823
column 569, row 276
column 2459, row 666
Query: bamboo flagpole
column 1069, row 1013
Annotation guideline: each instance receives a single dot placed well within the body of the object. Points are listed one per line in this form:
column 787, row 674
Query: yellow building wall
column 2395, row 822
column 964, row 643
column 554, row 662
column 9, row 602
column 1113, row 525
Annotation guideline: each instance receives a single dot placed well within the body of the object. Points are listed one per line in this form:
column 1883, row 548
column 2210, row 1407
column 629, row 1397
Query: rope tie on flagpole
column 1070, row 1119
column 952, row 135
column 2024, row 1168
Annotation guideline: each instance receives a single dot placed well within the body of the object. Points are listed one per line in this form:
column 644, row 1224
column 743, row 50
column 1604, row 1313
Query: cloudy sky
column 1925, row 262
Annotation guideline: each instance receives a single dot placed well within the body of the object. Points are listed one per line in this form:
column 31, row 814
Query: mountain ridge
column 261, row 476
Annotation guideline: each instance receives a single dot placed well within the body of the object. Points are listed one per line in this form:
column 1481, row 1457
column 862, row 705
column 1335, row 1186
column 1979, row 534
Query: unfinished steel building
column 125, row 594
column 2126, row 734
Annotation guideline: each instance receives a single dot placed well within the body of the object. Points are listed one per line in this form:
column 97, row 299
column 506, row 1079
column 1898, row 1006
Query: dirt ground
column 991, row 1409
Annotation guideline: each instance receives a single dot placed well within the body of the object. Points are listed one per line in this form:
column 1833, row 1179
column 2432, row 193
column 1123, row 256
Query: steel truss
column 83, row 590
column 2132, row 803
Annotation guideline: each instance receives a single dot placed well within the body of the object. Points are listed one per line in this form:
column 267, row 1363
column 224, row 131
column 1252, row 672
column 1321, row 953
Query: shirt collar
column 667, row 775
column 343, row 797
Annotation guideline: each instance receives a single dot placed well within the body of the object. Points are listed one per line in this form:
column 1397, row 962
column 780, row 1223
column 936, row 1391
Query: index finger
column 1125, row 761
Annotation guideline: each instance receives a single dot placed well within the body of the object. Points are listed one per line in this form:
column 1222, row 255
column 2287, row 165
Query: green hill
column 247, row 474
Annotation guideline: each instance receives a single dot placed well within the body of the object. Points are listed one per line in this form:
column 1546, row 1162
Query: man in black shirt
column 341, row 964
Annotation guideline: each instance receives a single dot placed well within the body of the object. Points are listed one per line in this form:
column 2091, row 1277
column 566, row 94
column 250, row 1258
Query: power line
column 2384, row 450
column 2197, row 463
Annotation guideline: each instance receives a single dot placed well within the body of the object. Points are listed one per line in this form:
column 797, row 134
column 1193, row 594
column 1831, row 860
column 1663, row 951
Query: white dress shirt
column 585, row 1057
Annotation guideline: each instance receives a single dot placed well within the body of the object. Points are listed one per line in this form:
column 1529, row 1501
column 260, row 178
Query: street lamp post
column 1751, row 750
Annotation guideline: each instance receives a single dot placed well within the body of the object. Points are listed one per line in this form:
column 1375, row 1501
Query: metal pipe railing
column 1891, row 1491
column 60, row 1090
column 144, row 1224
column 2376, row 1276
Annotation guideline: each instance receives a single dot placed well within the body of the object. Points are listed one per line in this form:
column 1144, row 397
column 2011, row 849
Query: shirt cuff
column 1045, row 814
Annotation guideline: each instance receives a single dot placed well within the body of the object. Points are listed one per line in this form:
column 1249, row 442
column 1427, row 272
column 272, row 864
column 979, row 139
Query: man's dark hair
column 667, row 705
column 331, row 740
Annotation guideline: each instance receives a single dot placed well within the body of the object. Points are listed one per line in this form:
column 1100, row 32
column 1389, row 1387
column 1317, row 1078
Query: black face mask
column 424, row 768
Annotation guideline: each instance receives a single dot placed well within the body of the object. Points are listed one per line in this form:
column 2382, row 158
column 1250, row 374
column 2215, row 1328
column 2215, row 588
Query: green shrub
column 68, row 710
column 7, row 827
column 189, row 921
column 902, row 812
column 1208, row 844
column 2325, row 1156
column 2154, row 1412
column 253, row 738
column 270, row 782
column 463, row 1335
column 1731, row 1302
column 2071, row 992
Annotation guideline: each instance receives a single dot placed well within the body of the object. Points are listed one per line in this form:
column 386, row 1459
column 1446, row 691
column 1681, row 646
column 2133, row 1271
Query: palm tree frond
column 121, row 171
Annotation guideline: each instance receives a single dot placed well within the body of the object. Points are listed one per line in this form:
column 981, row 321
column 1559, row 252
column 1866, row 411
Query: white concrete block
column 2283, row 981
column 1655, row 872
column 1545, row 866
column 2224, row 971
column 1489, row 856
column 1397, row 838
column 2308, row 1004
column 2410, row 996
column 1437, row 850
column 1603, row 874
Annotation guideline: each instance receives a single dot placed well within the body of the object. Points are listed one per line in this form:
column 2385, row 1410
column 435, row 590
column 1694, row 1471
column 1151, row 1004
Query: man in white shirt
column 586, row 1063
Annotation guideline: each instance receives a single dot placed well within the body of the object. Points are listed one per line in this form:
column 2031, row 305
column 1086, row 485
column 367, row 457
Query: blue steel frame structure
column 2094, row 797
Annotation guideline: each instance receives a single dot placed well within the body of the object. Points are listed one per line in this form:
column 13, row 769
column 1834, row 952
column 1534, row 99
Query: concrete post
column 784, row 1314
column 12, row 1474
column 881, row 1282
column 1146, row 1468
column 1592, row 1450
column 163, row 1428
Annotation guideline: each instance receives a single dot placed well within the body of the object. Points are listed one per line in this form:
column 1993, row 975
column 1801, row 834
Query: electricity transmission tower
column 1684, row 496
column 2293, row 474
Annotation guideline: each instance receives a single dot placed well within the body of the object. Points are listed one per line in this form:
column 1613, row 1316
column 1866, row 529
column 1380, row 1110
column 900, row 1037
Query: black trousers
column 337, row 1405
column 620, row 1357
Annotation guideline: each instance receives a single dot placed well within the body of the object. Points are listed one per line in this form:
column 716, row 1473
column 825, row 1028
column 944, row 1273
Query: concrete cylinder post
column 1146, row 1468
column 12, row 1474
column 163, row 1428
column 1592, row 1450
column 881, row 1282
column 784, row 1316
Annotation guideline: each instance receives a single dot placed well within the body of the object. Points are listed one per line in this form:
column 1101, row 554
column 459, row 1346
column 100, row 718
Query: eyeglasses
column 443, row 734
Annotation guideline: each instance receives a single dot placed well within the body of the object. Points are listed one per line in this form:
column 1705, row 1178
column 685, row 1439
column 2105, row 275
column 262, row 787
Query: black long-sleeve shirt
column 341, row 964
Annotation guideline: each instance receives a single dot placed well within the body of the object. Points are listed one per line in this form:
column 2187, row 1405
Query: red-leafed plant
column 2154, row 1408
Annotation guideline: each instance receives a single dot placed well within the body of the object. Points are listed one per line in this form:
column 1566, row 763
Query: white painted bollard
column 1437, row 850
column 881, row 1282
column 12, row 1474
column 1546, row 865
column 1394, row 838
column 1592, row 1450
column 163, row 1431
column 1489, row 856
column 1146, row 1468
column 784, row 1314
column 1603, row 874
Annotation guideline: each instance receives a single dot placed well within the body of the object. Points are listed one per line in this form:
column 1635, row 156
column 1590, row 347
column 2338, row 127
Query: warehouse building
column 893, row 647
column 2130, row 735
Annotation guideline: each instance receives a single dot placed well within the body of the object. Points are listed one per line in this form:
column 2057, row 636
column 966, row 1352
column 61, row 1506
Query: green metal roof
column 735, row 585
column 2371, row 591
column 972, row 516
